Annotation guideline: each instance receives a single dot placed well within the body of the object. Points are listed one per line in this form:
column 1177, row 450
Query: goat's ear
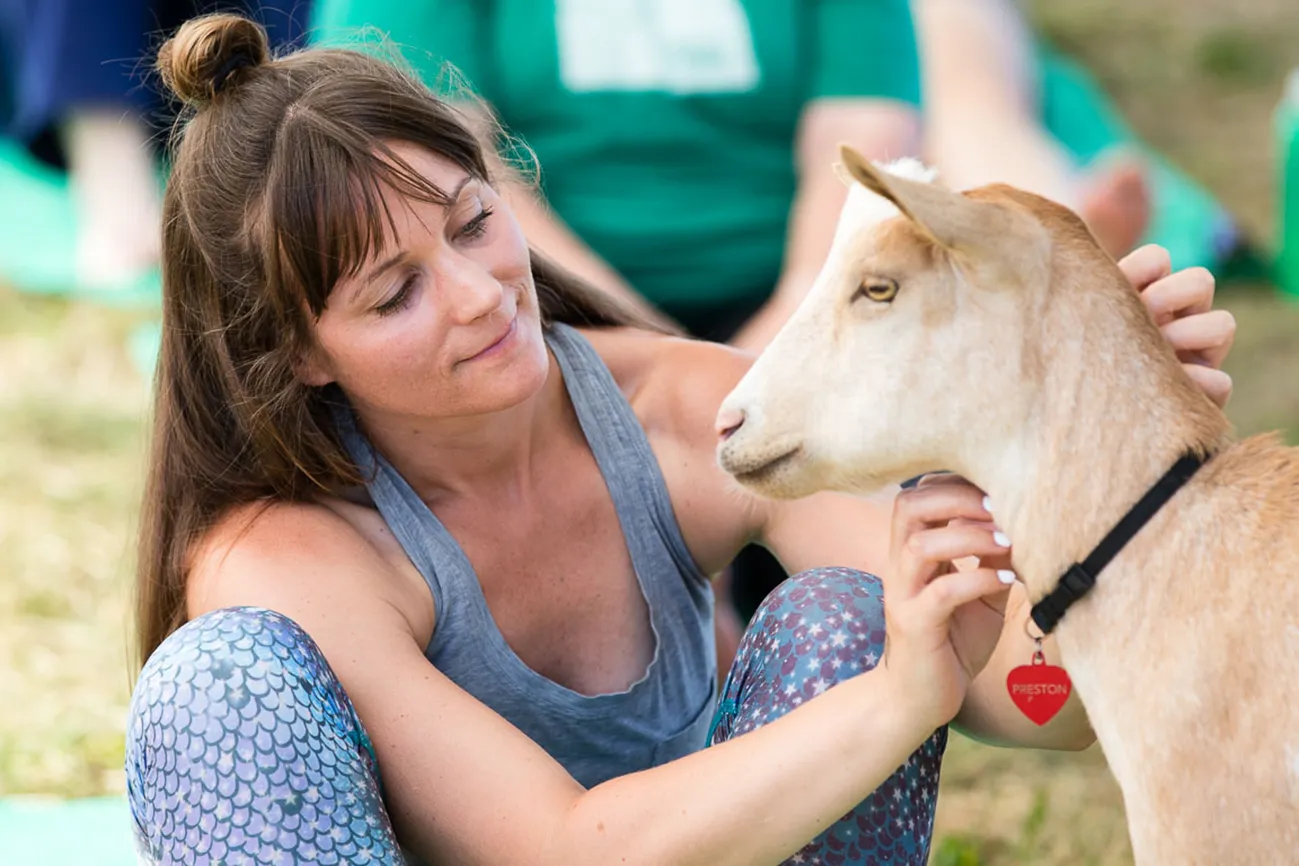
column 948, row 217
column 842, row 171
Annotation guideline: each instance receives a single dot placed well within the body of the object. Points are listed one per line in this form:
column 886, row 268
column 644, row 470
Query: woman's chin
column 527, row 371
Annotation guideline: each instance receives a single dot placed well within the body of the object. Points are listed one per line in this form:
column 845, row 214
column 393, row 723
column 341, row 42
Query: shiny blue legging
column 242, row 746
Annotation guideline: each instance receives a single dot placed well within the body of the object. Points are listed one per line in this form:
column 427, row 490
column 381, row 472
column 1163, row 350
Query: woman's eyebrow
column 378, row 270
column 400, row 257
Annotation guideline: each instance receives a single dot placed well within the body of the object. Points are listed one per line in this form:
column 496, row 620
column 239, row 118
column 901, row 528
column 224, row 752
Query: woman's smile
column 502, row 344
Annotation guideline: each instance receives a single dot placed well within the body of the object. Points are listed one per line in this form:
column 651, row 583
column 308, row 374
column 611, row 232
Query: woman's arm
column 463, row 786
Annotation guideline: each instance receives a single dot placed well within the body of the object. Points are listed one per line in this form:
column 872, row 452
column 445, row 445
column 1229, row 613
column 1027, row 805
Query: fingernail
column 987, row 504
column 1001, row 539
column 1006, row 577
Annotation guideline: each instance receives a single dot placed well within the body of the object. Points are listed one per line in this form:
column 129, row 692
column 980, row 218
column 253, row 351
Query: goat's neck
column 1113, row 413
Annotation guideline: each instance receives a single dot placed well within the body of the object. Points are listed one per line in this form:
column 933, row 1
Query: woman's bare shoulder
column 291, row 555
column 675, row 387
column 674, row 384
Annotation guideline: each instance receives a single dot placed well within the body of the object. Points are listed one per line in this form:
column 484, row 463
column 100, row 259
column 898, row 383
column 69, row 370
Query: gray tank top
column 662, row 716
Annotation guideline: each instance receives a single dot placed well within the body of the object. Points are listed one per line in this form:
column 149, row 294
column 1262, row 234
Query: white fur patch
column 909, row 168
column 865, row 209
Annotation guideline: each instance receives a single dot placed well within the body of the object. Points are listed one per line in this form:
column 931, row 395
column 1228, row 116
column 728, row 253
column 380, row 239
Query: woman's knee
column 241, row 741
column 827, row 608
column 815, row 630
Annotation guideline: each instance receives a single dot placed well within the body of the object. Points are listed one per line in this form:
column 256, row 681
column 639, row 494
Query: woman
column 367, row 383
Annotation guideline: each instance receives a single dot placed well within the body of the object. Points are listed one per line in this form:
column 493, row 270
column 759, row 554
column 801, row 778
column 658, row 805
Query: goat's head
column 910, row 346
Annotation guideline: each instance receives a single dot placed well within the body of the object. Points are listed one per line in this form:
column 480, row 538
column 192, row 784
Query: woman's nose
column 475, row 292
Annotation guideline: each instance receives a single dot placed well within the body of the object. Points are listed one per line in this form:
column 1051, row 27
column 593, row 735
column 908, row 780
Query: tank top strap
column 428, row 544
column 621, row 448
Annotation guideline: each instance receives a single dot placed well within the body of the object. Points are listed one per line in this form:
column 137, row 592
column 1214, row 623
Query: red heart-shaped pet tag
column 1039, row 689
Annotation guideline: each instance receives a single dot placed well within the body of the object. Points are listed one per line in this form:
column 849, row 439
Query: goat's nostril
column 728, row 421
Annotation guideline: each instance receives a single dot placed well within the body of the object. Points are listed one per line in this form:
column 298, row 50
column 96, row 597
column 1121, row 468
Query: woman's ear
column 311, row 368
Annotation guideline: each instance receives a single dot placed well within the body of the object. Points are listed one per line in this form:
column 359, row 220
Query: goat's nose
column 728, row 421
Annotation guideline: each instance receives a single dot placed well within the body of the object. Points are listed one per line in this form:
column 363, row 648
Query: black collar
column 1080, row 578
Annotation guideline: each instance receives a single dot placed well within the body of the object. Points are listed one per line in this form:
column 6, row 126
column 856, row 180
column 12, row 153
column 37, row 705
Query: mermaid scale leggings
column 243, row 748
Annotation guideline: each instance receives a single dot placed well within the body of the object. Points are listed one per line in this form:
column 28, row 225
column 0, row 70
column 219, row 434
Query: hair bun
column 199, row 61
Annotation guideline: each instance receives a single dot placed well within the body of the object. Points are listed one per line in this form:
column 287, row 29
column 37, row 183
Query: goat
column 986, row 333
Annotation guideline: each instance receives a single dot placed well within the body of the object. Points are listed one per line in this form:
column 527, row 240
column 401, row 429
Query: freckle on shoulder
column 670, row 379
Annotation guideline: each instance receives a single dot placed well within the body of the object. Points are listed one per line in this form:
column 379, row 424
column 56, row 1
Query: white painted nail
column 987, row 504
column 1006, row 577
column 1001, row 538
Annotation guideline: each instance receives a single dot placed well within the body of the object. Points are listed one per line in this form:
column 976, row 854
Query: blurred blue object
column 71, row 53
column 90, row 832
column 57, row 56
column 67, row 54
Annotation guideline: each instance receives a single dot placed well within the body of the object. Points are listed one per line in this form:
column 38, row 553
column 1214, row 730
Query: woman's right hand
column 943, row 623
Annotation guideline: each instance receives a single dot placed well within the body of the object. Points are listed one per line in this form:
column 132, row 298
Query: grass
column 1198, row 78
column 71, row 409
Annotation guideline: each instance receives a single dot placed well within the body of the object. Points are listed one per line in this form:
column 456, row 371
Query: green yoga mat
column 91, row 832
column 38, row 233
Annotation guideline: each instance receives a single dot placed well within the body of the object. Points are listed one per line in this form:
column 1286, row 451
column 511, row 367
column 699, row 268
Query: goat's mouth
column 757, row 470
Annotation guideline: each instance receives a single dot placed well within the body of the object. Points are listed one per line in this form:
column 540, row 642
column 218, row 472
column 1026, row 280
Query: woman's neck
column 495, row 454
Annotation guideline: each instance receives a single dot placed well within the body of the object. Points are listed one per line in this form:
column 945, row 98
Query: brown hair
column 274, row 195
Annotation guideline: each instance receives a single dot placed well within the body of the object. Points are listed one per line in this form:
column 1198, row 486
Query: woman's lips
column 499, row 344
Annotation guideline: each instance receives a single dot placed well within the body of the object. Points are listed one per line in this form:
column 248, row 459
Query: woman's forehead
column 436, row 169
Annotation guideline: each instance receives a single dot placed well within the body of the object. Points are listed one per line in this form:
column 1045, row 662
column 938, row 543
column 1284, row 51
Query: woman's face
column 443, row 320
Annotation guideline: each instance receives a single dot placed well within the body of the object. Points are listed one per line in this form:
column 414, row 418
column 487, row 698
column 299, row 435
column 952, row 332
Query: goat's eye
column 878, row 289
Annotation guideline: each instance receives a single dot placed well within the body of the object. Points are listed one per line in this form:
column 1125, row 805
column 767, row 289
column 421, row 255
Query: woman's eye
column 476, row 227
column 400, row 300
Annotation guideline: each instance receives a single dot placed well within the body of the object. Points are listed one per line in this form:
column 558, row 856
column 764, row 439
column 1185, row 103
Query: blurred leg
column 980, row 97
column 113, row 178
column 983, row 109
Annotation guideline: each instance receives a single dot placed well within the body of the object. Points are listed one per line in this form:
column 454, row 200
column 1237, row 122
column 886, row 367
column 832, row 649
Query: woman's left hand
column 1182, row 306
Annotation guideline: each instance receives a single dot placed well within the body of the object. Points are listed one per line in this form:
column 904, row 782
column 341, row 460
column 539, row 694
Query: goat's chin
column 782, row 482
column 782, row 472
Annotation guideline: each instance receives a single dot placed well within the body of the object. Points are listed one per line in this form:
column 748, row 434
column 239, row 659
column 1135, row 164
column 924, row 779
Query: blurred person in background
column 79, row 101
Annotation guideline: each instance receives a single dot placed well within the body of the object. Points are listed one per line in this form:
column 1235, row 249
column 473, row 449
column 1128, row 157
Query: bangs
column 325, row 210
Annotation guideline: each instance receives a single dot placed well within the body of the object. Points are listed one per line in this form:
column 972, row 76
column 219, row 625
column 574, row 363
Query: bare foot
column 1116, row 205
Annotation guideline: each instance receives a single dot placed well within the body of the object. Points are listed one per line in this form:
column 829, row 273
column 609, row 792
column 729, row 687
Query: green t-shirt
column 665, row 129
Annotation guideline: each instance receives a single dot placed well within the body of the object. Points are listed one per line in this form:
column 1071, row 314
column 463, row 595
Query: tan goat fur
column 1017, row 354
